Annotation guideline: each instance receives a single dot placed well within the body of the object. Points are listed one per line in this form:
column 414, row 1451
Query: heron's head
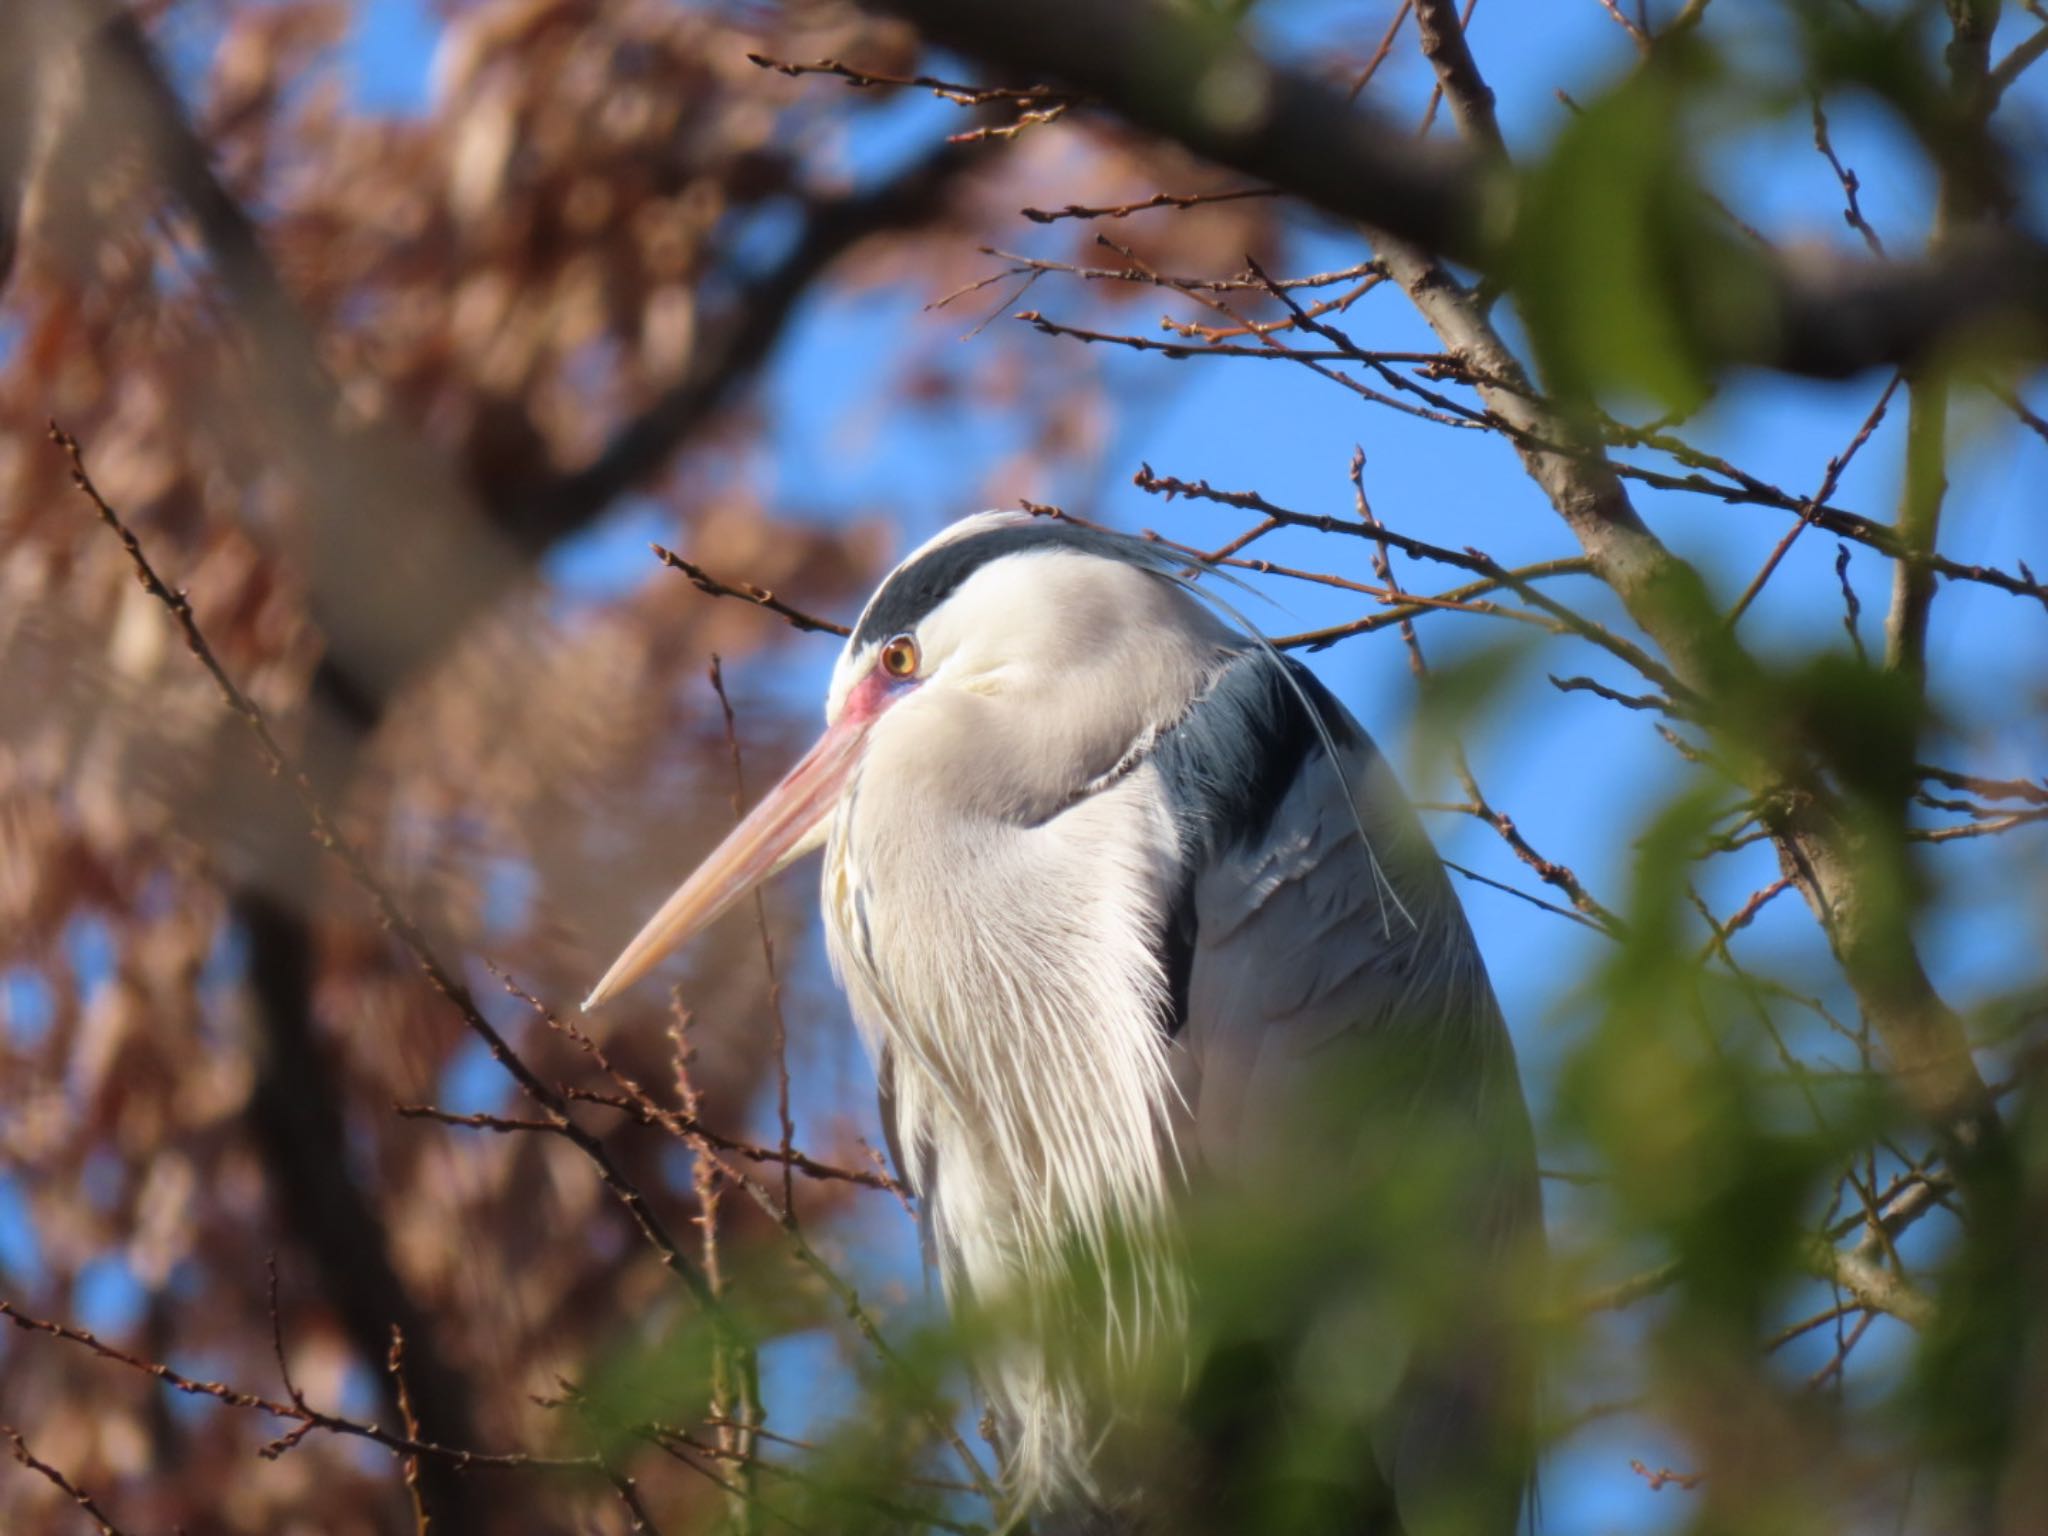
column 1004, row 670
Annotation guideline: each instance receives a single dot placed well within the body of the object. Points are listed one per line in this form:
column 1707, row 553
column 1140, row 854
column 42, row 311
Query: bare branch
column 739, row 798
column 408, row 933
column 746, row 591
column 1829, row 480
column 1874, row 1289
column 1205, row 89
column 1471, row 560
column 2024, row 56
column 299, row 1414
column 1143, row 205
column 1921, row 496
column 947, row 90
column 1878, row 1290
column 395, row 1365
column 1852, row 213
column 1627, row 24
column 688, row 1127
column 63, row 1484
column 1443, row 44
column 1667, row 598
column 1995, row 789
column 1641, row 701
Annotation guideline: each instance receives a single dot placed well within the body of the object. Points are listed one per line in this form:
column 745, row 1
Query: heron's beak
column 788, row 823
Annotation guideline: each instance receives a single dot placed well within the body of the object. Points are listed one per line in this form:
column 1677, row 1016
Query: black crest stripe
column 919, row 587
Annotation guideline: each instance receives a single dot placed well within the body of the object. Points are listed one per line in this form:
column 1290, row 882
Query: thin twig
column 1852, row 606
column 641, row 1103
column 629, row 1497
column 1589, row 910
column 780, row 1024
column 1852, row 213
column 688, row 1127
column 760, row 597
column 1807, row 513
column 70, row 1490
column 735, row 1374
column 1379, row 54
column 1243, row 282
column 1472, row 560
column 1664, row 1477
column 2028, row 790
column 1637, row 701
column 1622, row 19
column 395, row 1364
column 857, row 1313
column 394, row 918
column 2024, row 56
column 1143, row 205
column 299, row 1414
column 946, row 90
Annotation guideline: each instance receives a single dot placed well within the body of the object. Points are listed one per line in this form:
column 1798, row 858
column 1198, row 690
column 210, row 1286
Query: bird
column 1137, row 924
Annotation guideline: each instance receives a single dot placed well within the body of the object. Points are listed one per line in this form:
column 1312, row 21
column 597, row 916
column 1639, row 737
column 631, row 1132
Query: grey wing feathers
column 1338, row 1015
column 1305, row 940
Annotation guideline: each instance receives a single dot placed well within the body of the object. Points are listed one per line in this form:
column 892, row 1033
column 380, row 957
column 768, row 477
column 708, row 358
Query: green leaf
column 1618, row 269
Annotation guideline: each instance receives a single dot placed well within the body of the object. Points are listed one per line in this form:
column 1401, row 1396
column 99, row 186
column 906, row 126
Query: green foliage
column 1624, row 277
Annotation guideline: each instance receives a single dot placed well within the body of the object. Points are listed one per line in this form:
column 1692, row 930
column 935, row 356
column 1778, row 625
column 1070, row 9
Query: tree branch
column 734, row 349
column 394, row 580
column 1667, row 598
column 747, row 592
column 1188, row 77
column 1457, row 73
column 57, row 1479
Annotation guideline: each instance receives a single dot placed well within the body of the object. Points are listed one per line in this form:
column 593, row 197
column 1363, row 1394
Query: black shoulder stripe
column 1233, row 757
column 1227, row 766
column 919, row 587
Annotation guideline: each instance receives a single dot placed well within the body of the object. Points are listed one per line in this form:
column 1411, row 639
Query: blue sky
column 1579, row 776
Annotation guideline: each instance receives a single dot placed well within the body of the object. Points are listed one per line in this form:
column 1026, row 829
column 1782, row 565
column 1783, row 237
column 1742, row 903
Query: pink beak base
column 781, row 827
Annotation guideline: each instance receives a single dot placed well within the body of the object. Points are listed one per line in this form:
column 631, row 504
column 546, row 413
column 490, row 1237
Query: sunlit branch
column 1635, row 701
column 1401, row 604
column 1829, row 480
column 1154, row 65
column 299, row 1413
column 1666, row 597
column 1852, row 210
column 780, row 1044
column 58, row 1480
column 1251, row 501
column 746, row 591
column 946, row 90
column 1366, row 271
column 1872, row 1289
column 784, row 1218
column 1145, row 205
column 1441, row 31
column 2028, row 790
column 408, row 933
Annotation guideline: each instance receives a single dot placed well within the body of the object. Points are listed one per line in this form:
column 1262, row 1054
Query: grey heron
column 1129, row 908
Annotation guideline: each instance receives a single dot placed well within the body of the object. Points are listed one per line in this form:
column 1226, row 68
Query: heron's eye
column 899, row 657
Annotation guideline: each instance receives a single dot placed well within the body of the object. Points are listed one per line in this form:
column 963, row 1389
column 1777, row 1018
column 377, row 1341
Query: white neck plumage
column 1030, row 1050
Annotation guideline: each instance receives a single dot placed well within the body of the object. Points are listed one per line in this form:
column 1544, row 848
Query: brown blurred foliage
column 349, row 376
